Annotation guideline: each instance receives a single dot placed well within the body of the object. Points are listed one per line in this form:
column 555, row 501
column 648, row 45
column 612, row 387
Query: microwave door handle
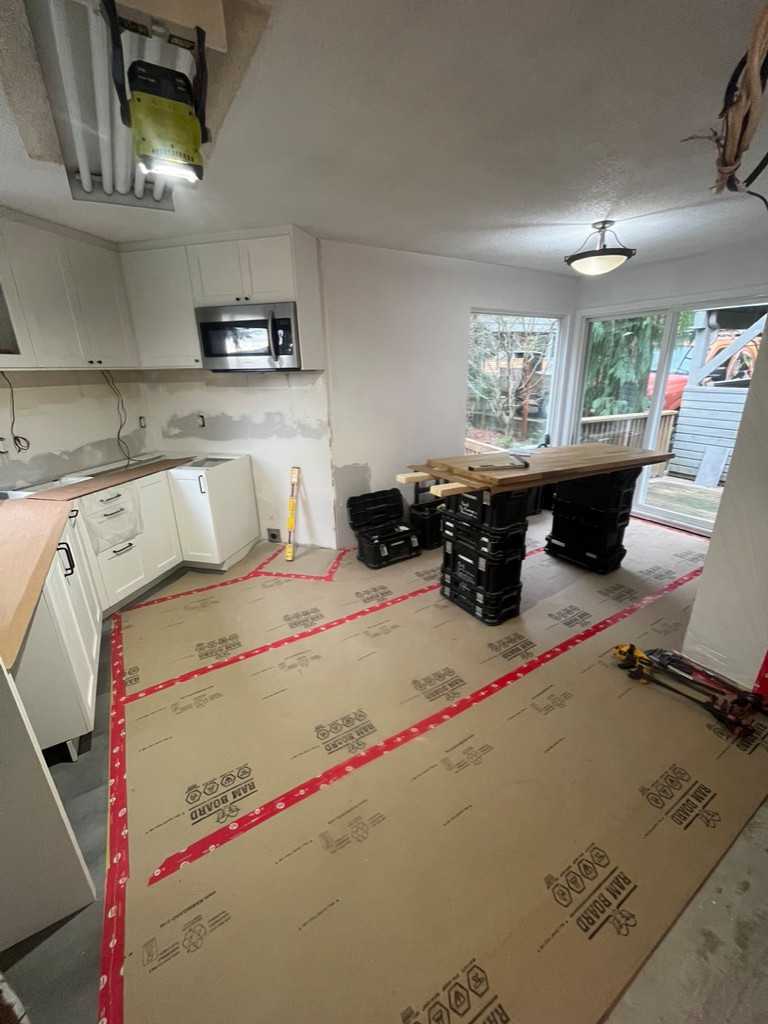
column 271, row 335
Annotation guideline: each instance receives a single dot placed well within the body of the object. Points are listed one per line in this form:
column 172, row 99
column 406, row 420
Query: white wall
column 398, row 336
column 728, row 630
column 736, row 272
column 70, row 419
column 280, row 419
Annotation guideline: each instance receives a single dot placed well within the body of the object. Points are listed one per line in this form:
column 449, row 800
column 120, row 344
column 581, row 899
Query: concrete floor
column 711, row 968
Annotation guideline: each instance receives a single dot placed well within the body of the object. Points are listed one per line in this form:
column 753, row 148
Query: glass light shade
column 598, row 261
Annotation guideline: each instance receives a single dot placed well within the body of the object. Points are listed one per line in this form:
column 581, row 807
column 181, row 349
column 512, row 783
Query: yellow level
column 292, row 502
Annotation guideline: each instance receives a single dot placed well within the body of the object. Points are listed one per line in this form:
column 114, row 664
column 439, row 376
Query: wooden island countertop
column 29, row 533
column 546, row 466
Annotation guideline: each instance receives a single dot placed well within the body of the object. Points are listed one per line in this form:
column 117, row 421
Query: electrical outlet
column 274, row 536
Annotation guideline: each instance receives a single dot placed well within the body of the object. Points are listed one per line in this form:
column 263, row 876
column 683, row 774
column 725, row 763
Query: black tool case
column 464, row 560
column 492, row 608
column 383, row 538
column 495, row 511
column 491, row 543
column 605, row 490
column 425, row 519
column 600, row 561
column 593, row 518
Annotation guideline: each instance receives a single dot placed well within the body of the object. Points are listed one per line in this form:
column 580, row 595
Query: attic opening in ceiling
column 75, row 59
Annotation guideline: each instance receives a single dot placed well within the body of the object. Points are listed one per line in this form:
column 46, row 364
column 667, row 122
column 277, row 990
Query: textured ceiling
column 483, row 129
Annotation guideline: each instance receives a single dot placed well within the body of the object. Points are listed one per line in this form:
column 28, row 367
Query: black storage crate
column 605, row 490
column 534, row 503
column 492, row 609
column 496, row 511
column 600, row 518
column 382, row 536
column 464, row 562
column 426, row 521
column 596, row 561
column 493, row 544
column 589, row 538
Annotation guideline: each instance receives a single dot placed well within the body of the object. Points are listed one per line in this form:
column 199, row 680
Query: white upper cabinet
column 45, row 284
column 254, row 270
column 98, row 278
column 217, row 279
column 267, row 268
column 15, row 342
column 162, row 307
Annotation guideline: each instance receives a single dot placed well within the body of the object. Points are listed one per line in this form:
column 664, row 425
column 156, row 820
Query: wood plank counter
column 546, row 466
column 71, row 492
column 29, row 533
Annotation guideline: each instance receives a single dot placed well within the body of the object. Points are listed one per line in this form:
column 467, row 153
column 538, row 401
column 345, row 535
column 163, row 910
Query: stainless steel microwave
column 249, row 337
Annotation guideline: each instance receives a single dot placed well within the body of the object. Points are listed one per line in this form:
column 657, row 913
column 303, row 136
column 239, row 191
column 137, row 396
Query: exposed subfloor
column 710, row 968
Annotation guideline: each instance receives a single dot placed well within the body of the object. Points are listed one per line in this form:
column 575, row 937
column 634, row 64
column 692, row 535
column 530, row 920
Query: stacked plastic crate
column 589, row 517
column 484, row 548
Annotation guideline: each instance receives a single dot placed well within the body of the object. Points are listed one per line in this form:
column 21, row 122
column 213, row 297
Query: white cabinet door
column 15, row 342
column 43, row 276
column 67, row 598
column 57, row 666
column 44, row 877
column 216, row 275
column 87, row 606
column 197, row 530
column 160, row 547
column 162, row 307
column 101, row 293
column 267, row 269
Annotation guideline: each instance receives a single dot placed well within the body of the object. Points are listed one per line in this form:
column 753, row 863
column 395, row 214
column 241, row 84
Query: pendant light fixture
column 602, row 258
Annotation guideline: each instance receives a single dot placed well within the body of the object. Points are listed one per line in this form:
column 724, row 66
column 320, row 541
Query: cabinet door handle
column 74, row 513
column 200, row 479
column 70, row 560
column 121, row 551
column 112, row 497
column 114, row 512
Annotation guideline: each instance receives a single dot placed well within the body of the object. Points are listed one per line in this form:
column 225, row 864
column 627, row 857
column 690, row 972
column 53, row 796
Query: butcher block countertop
column 29, row 533
column 71, row 492
column 546, row 466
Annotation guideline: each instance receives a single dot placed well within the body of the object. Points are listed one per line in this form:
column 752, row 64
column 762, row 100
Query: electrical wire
column 21, row 444
column 122, row 415
column 741, row 113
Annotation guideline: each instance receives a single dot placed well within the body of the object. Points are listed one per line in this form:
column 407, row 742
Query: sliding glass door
column 705, row 386
column 673, row 381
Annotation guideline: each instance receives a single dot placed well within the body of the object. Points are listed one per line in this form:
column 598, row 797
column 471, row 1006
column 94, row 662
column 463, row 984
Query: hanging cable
column 740, row 116
column 122, row 415
column 21, row 444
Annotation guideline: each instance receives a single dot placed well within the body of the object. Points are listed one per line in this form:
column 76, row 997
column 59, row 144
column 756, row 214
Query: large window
column 511, row 362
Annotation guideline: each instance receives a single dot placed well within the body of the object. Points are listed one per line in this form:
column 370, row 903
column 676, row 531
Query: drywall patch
column 222, row 427
column 15, row 473
column 354, row 478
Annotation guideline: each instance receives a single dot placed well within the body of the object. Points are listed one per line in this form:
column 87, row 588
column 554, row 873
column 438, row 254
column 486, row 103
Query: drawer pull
column 116, row 512
column 112, row 497
column 74, row 513
column 68, row 554
column 121, row 551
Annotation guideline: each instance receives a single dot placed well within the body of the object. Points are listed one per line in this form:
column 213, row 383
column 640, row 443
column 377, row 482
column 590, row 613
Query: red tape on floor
column 113, row 934
column 761, row 683
column 248, row 821
column 253, row 574
column 214, row 666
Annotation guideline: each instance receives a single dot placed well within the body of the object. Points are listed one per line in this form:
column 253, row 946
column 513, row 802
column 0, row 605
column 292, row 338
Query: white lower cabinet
column 131, row 565
column 56, row 669
column 215, row 508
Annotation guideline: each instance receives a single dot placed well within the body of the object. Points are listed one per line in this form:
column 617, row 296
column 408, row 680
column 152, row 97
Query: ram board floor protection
column 362, row 804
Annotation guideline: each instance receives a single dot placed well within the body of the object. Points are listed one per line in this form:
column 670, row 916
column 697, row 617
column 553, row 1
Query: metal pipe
column 67, row 69
column 102, row 89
